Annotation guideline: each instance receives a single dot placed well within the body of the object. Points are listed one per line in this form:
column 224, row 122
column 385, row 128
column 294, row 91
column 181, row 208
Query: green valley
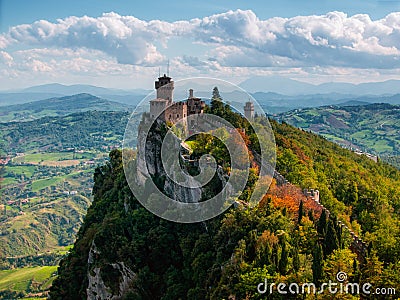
column 32, row 280
column 372, row 128
column 46, row 188
column 47, row 178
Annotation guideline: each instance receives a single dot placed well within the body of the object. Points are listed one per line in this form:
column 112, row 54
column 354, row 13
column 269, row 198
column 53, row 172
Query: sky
column 124, row 44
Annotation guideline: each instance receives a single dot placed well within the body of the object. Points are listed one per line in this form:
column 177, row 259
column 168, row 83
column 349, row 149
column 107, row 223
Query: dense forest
column 137, row 255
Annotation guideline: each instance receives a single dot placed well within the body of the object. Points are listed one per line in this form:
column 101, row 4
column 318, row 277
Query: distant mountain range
column 59, row 106
column 266, row 84
column 287, row 86
column 57, row 88
column 275, row 94
column 40, row 92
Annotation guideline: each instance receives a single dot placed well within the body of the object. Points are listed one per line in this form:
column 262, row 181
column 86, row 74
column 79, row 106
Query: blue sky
column 310, row 40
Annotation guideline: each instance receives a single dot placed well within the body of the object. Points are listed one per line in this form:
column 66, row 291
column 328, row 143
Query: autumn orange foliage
column 290, row 196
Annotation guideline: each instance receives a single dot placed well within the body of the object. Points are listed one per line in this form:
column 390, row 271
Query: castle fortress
column 164, row 107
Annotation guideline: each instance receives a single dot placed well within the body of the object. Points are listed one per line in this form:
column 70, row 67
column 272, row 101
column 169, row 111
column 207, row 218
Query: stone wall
column 358, row 246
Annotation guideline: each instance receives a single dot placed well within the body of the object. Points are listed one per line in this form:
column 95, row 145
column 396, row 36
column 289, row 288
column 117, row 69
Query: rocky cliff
column 105, row 269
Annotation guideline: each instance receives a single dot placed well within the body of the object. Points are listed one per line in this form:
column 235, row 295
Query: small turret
column 249, row 110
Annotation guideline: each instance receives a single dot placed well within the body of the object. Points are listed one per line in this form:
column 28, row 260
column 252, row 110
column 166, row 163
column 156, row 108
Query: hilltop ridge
column 122, row 250
column 59, row 106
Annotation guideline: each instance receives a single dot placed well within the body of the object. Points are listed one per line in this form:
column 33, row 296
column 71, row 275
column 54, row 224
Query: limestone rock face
column 97, row 289
column 149, row 164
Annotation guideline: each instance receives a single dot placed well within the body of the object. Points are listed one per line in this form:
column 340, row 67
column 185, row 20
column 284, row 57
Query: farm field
column 46, row 188
column 21, row 279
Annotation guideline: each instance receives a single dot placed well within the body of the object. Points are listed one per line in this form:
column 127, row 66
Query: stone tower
column 249, row 110
column 165, row 88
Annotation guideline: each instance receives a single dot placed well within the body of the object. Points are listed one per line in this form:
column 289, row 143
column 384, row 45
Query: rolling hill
column 53, row 90
column 59, row 106
column 273, row 103
column 371, row 128
column 46, row 160
column 287, row 86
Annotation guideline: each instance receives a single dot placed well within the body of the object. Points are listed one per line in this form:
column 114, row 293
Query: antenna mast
column 168, row 68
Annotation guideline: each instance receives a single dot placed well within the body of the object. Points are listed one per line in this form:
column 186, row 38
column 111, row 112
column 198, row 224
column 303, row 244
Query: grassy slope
column 49, row 219
column 91, row 130
column 20, row 279
column 47, row 216
column 41, row 226
column 373, row 127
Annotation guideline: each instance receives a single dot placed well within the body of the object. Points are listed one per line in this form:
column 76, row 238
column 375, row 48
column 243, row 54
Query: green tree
column 247, row 286
column 284, row 259
column 301, row 212
column 353, row 193
column 296, row 258
column 340, row 260
column 372, row 270
column 331, row 241
column 317, row 265
column 217, row 106
column 322, row 223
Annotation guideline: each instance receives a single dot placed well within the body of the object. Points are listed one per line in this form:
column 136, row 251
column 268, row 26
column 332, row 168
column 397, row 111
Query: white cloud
column 4, row 41
column 235, row 41
column 334, row 39
column 126, row 38
column 6, row 59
